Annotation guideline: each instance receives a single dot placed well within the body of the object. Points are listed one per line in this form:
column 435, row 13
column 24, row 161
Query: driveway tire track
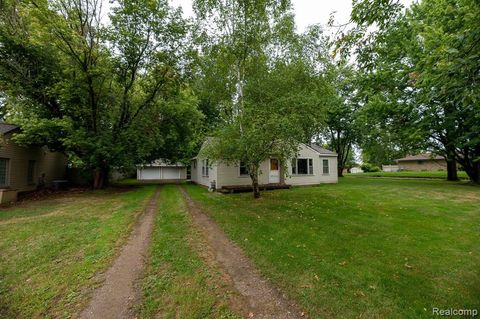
column 263, row 300
column 118, row 294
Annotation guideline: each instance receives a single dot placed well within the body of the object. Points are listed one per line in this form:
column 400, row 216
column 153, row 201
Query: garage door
column 150, row 173
column 170, row 173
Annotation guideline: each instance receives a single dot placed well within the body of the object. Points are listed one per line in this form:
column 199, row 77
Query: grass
column 371, row 248
column 52, row 249
column 178, row 283
column 411, row 174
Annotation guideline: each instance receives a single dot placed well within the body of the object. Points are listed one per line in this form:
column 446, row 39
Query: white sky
column 307, row 12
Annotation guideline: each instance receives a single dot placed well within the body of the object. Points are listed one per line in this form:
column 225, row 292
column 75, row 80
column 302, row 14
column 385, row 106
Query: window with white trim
column 326, row 168
column 243, row 169
column 205, row 167
column 302, row 166
column 3, row 171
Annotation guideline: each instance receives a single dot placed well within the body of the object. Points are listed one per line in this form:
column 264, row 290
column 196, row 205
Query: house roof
column 321, row 150
column 421, row 157
column 5, row 128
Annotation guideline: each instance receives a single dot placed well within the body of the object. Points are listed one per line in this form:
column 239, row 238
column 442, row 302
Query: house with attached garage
column 312, row 165
column 26, row 168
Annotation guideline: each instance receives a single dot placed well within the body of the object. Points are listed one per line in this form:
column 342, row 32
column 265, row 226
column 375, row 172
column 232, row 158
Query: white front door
column 274, row 176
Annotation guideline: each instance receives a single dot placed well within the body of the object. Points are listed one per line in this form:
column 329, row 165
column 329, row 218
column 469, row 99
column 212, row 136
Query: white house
column 312, row 165
column 356, row 170
column 162, row 171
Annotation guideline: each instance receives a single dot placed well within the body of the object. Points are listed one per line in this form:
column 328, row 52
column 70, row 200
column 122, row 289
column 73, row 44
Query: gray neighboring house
column 162, row 171
column 313, row 165
column 23, row 168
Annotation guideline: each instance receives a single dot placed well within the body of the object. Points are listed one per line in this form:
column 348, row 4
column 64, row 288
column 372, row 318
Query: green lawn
column 410, row 174
column 178, row 283
column 370, row 248
column 50, row 250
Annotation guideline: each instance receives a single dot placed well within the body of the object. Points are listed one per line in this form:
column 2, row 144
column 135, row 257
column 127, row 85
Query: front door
column 274, row 176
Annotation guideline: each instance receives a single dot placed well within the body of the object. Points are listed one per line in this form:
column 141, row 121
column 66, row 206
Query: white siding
column 161, row 173
column 229, row 174
column 197, row 174
column 317, row 177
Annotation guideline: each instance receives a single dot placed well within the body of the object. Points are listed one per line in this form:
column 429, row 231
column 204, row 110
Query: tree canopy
column 147, row 83
column 108, row 95
column 420, row 78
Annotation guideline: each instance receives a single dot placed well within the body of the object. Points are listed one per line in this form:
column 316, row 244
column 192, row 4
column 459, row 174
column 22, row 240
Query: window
column 194, row 163
column 31, row 172
column 243, row 169
column 205, row 168
column 302, row 166
column 3, row 171
column 420, row 162
column 326, row 169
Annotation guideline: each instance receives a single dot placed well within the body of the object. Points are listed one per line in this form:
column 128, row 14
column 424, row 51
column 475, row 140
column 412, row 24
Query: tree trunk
column 100, row 177
column 255, row 187
column 473, row 172
column 452, row 170
column 340, row 171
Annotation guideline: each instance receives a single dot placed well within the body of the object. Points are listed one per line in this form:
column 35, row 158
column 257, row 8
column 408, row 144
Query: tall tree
column 106, row 95
column 341, row 126
column 421, row 69
column 266, row 90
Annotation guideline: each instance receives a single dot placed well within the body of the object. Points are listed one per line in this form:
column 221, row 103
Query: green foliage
column 420, row 79
column 342, row 129
column 267, row 87
column 367, row 167
column 106, row 95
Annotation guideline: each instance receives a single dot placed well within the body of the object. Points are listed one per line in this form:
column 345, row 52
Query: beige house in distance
column 422, row 162
column 22, row 168
column 313, row 165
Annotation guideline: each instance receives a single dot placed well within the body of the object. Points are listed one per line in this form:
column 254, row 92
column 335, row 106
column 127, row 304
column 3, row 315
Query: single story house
column 313, row 165
column 356, row 170
column 422, row 162
column 390, row 168
column 24, row 168
column 162, row 171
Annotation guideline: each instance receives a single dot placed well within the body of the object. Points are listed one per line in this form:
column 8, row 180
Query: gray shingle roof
column 419, row 157
column 321, row 150
column 5, row 128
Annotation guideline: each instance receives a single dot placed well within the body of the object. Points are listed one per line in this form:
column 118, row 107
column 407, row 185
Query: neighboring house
column 162, row 171
column 23, row 168
column 356, row 170
column 390, row 168
column 313, row 165
column 422, row 162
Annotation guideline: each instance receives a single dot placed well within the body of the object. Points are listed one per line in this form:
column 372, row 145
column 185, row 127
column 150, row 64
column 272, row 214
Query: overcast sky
column 307, row 12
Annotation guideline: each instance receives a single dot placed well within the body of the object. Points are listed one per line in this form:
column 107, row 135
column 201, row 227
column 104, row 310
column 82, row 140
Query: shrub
column 366, row 167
